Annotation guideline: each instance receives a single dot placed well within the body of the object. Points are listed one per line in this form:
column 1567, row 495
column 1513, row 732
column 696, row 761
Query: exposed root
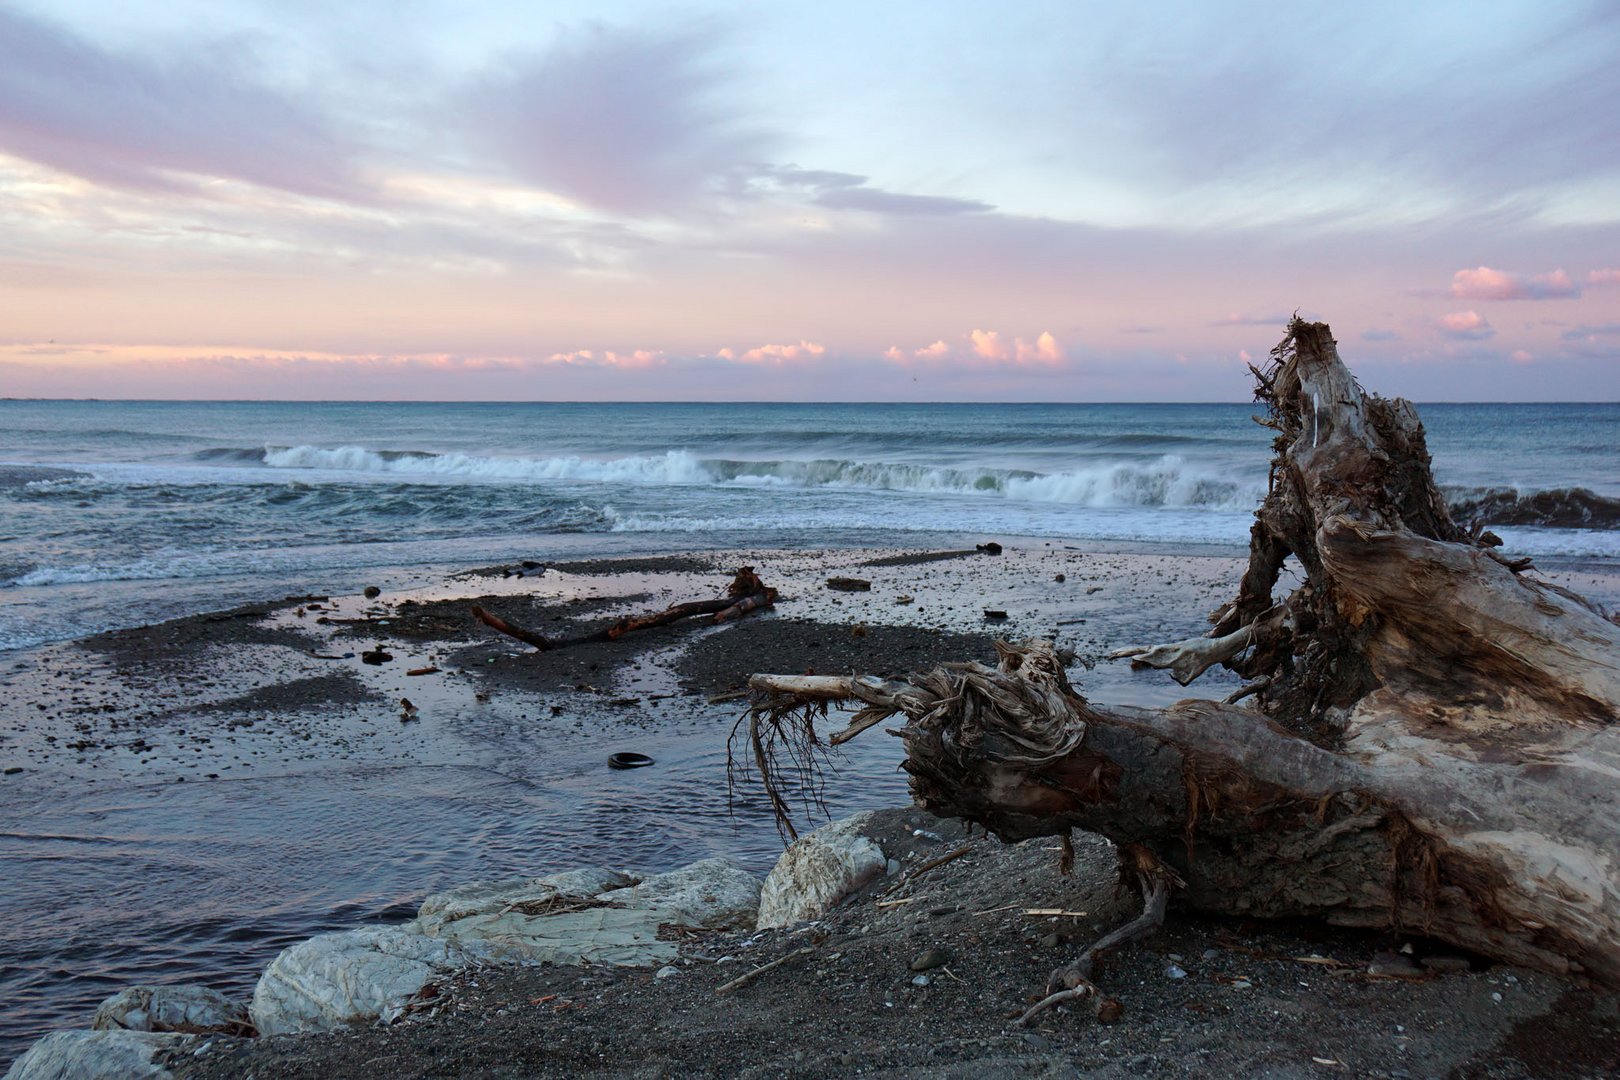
column 1073, row 981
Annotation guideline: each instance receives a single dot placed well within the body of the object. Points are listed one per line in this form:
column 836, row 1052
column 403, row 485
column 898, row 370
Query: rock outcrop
column 97, row 1055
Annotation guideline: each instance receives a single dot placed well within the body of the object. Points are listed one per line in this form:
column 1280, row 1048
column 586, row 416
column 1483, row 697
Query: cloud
column 1235, row 319
column 639, row 360
column 1464, row 326
column 781, row 354
column 1375, row 334
column 1601, row 278
column 847, row 191
column 1043, row 350
column 1520, row 356
column 159, row 123
column 1484, row 283
column 625, row 120
column 1592, row 333
column 932, row 352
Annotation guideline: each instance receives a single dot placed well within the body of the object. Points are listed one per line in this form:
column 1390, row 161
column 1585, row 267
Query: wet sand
column 270, row 695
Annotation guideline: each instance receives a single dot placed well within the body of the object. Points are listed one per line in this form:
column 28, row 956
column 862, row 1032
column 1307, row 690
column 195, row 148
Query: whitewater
column 117, row 513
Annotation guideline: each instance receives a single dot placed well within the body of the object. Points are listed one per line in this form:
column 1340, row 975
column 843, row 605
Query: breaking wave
column 1167, row 480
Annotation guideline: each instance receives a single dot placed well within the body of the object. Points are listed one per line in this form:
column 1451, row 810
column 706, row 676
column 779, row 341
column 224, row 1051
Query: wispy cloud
column 1484, row 283
column 1601, row 278
column 160, row 123
column 624, row 119
column 1376, row 334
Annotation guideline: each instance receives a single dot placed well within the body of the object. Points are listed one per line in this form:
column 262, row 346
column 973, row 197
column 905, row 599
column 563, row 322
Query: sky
column 912, row 201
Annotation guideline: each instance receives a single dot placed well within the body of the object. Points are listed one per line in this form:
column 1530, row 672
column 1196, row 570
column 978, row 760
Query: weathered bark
column 1435, row 746
column 745, row 593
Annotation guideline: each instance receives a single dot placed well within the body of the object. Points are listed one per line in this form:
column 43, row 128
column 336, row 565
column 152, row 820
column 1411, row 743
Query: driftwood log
column 1433, row 745
column 745, row 593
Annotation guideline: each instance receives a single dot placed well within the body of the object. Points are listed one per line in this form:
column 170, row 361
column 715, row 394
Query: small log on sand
column 1434, row 744
column 746, row 593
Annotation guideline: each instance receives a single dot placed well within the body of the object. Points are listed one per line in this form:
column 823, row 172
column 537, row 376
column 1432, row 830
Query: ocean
column 121, row 513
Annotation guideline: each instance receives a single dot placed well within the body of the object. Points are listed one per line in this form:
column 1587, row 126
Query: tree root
column 1072, row 982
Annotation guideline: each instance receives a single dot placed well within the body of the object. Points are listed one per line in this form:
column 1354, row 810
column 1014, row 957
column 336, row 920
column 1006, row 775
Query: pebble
column 1446, row 965
column 921, row 980
column 1175, row 971
column 372, row 592
column 666, row 971
column 1039, row 1042
column 929, row 959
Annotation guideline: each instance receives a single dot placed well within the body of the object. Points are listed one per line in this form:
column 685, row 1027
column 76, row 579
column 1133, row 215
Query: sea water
column 120, row 513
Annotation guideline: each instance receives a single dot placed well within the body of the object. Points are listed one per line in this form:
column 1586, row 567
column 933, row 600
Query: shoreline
column 265, row 701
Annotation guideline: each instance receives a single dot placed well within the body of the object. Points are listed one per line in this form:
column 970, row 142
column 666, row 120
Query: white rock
column 496, row 897
column 818, row 870
column 95, row 1055
column 354, row 977
column 713, row 893
column 189, row 1009
column 598, row 935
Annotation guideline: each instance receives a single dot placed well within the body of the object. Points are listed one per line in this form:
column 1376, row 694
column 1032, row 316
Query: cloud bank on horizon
column 246, row 198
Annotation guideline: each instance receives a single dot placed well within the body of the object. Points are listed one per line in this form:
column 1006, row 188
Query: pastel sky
column 1073, row 201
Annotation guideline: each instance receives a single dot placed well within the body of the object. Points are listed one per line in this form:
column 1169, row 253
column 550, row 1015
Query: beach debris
column 1480, row 703
column 929, row 959
column 745, row 594
column 371, row 592
column 1060, row 578
column 628, row 759
column 743, row 980
column 849, row 584
column 429, row 670
column 989, row 548
column 376, row 656
column 995, row 614
column 904, row 598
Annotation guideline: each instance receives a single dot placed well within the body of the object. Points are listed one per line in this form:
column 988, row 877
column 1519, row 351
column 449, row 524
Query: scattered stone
column 989, row 548
column 921, row 980
column 372, row 592
column 817, row 871
column 849, row 584
column 1038, row 1042
column 192, row 1010
column 666, row 972
column 1175, row 971
column 376, row 656
column 929, row 959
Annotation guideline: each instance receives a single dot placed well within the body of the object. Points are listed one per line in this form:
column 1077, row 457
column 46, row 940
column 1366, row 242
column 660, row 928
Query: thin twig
column 745, row 979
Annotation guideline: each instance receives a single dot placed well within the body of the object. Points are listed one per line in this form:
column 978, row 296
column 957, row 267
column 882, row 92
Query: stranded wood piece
column 1433, row 745
column 746, row 593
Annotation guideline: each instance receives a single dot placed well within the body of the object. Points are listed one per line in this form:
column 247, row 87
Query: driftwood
column 746, row 593
column 1434, row 742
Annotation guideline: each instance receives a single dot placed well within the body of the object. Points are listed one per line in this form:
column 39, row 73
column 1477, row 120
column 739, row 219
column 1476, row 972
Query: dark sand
column 254, row 688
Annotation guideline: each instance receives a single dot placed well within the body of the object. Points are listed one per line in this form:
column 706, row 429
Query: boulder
column 529, row 895
column 714, row 893
column 194, row 1010
column 354, row 977
column 600, row 934
column 818, row 870
column 96, row 1055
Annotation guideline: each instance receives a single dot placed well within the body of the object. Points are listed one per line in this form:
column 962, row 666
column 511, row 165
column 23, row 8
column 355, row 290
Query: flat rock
column 527, row 895
column 599, row 935
column 95, row 1055
column 818, row 870
column 194, row 1010
column 354, row 977
column 715, row 893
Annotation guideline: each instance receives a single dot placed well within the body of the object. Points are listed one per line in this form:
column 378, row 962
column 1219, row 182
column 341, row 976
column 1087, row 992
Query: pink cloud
column 932, row 352
column 1465, row 325
column 1484, row 283
column 1603, row 277
column 638, row 360
column 779, row 354
column 727, row 353
column 893, row 353
column 987, row 343
column 1521, row 357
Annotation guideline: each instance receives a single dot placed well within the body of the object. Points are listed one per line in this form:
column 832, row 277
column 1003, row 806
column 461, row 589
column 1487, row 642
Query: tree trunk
column 1434, row 746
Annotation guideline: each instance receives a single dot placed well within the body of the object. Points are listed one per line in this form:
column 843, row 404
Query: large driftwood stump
column 1434, row 745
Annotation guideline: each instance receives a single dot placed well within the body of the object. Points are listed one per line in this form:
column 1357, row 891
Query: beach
column 263, row 782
